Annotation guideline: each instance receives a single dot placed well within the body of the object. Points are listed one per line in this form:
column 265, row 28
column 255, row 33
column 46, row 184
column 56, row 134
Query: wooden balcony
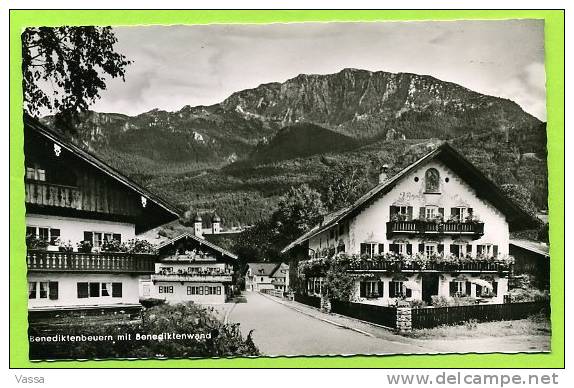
column 45, row 261
column 198, row 278
column 49, row 194
column 426, row 227
column 432, row 266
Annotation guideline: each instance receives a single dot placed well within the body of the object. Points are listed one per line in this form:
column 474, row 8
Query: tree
column 346, row 182
column 64, row 69
column 521, row 197
column 298, row 211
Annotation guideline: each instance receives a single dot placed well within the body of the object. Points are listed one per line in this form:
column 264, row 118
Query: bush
column 85, row 246
column 417, row 303
column 213, row 338
column 33, row 242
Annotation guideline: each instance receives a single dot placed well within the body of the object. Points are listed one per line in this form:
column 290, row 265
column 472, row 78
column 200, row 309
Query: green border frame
column 554, row 39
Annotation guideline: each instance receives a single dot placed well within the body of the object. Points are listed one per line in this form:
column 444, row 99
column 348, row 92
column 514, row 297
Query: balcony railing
column 206, row 278
column 424, row 227
column 48, row 194
column 446, row 266
column 40, row 260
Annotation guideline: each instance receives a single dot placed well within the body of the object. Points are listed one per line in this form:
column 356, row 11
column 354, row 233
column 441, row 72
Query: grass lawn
column 534, row 325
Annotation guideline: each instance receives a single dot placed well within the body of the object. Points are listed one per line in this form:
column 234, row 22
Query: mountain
column 302, row 140
column 239, row 155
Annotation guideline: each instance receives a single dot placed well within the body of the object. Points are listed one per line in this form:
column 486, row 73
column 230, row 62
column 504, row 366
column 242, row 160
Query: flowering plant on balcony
column 472, row 219
column 65, row 246
column 113, row 246
column 85, row 246
column 136, row 245
column 33, row 242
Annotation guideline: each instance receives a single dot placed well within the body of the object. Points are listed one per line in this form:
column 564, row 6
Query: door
column 430, row 286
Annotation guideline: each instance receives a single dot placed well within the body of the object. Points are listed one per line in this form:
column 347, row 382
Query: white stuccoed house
column 439, row 227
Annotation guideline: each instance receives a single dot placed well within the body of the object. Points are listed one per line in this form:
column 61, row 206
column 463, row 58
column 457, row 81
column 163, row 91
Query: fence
column 429, row 317
column 314, row 301
column 381, row 315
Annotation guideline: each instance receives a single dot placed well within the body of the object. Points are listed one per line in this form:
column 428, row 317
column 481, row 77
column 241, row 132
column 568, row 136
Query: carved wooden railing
column 417, row 226
column 40, row 260
column 49, row 194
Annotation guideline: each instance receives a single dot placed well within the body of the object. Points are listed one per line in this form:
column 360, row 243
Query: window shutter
column 94, row 290
column 53, row 286
column 381, row 248
column 441, row 212
column 82, row 290
column 409, row 292
column 394, row 248
column 495, row 250
column 381, row 287
column 409, row 213
column 452, row 287
column 440, row 248
column 117, row 237
column 478, row 290
column 117, row 290
column 363, row 249
column 88, row 236
column 393, row 210
column 453, row 212
column 469, row 249
column 54, row 235
column 495, row 288
column 422, row 212
column 392, row 290
column 469, row 211
column 468, row 288
column 409, row 249
column 421, row 248
column 453, row 249
column 363, row 292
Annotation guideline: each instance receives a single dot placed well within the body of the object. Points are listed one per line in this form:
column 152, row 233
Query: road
column 280, row 330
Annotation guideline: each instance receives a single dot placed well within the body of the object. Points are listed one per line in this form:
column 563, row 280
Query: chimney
column 383, row 173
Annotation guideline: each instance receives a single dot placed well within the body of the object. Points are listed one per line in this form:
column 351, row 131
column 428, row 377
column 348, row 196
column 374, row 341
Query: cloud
column 203, row 64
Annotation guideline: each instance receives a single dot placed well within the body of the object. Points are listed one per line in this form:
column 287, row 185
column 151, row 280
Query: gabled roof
column 200, row 240
column 532, row 246
column 263, row 269
column 486, row 189
column 170, row 211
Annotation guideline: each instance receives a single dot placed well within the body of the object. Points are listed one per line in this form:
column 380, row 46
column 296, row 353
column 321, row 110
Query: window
column 397, row 289
column 432, row 180
column 166, row 270
column 430, row 249
column 402, row 248
column 460, row 288
column 401, row 213
column 460, row 250
column 35, row 174
column 44, row 233
column 212, row 290
column 43, row 290
column 459, row 213
column 97, row 289
column 487, row 250
column 166, row 289
column 97, row 238
column 430, row 212
column 368, row 249
column 371, row 289
column 485, row 292
column 194, row 290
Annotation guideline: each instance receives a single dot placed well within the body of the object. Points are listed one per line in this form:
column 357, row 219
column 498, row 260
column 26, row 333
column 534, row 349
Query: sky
column 174, row 66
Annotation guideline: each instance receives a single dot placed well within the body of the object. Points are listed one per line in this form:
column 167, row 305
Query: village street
column 290, row 328
column 281, row 330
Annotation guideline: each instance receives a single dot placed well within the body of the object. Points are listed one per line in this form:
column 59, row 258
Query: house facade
column 191, row 268
column 79, row 211
column 267, row 276
column 438, row 228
